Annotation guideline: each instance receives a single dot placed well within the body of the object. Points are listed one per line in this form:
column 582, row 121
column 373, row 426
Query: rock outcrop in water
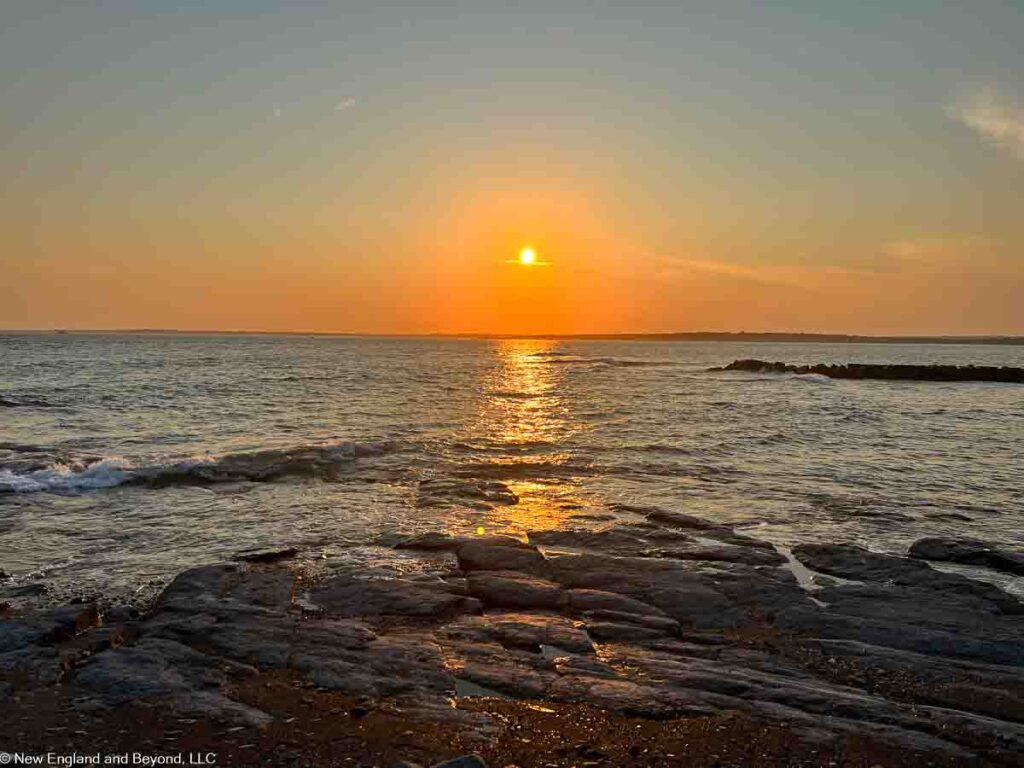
column 1005, row 374
column 968, row 552
column 662, row 617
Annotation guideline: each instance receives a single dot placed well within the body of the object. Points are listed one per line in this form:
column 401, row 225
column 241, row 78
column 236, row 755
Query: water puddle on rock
column 808, row 580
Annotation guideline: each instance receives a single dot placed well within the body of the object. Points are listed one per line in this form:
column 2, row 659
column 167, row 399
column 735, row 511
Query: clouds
column 994, row 118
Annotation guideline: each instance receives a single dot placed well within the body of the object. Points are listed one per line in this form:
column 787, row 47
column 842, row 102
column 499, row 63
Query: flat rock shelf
column 655, row 639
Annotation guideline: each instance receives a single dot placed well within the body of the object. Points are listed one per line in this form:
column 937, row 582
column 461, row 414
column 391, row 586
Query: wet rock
column 15, row 635
column 500, row 554
column 968, row 552
column 272, row 555
column 725, row 554
column 4, row 575
column 478, row 494
column 675, row 519
column 615, row 541
column 465, row 761
column 24, row 590
column 851, row 562
column 510, row 589
column 347, row 596
column 432, row 542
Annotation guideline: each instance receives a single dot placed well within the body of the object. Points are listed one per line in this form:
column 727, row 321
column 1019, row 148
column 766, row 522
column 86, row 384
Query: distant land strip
column 739, row 336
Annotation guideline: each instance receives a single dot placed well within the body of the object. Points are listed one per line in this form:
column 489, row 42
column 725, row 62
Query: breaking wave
column 611, row 362
column 70, row 475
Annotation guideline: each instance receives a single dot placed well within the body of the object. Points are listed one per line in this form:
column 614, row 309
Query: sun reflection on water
column 525, row 422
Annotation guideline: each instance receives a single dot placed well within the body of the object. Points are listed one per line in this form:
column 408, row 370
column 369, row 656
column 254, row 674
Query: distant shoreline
column 779, row 338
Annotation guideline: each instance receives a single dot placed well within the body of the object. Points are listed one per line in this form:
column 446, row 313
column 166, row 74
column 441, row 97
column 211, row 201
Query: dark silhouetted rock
column 1005, row 374
column 510, row 589
column 266, row 555
column 968, row 552
column 500, row 554
column 345, row 596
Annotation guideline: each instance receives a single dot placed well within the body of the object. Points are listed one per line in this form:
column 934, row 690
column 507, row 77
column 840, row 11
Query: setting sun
column 527, row 256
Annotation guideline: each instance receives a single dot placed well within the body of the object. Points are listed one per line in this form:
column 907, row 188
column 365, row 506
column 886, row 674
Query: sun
column 527, row 256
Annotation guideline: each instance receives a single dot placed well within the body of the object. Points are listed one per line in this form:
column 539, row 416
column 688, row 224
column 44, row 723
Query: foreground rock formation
column 1006, row 374
column 659, row 625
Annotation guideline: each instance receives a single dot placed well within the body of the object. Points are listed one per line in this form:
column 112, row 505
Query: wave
column 508, row 394
column 20, row 402
column 66, row 475
column 612, row 362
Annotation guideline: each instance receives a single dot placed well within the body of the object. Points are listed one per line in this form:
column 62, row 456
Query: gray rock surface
column 892, row 649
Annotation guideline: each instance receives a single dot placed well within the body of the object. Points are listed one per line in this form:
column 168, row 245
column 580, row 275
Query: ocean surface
column 127, row 458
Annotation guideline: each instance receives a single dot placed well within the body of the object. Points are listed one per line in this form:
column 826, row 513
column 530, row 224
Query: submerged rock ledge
column 1005, row 374
column 614, row 645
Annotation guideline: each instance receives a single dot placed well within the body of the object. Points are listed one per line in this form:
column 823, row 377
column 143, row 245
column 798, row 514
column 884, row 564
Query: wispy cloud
column 343, row 105
column 996, row 119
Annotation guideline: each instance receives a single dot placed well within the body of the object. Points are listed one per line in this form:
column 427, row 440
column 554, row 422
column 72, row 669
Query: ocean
column 126, row 458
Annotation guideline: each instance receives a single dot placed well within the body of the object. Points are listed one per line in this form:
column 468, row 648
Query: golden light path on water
column 525, row 416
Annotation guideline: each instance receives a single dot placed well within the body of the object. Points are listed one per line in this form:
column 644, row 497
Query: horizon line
column 753, row 336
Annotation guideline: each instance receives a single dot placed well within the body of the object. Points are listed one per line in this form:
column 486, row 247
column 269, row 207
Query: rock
column 4, row 575
column 433, row 542
column 668, row 585
column 500, row 554
column 725, row 554
column 347, row 596
column 24, row 590
column 121, row 614
column 677, row 519
column 663, row 624
column 478, row 494
column 607, row 631
column 1005, row 374
column 465, row 761
column 154, row 668
column 510, row 589
column 523, row 631
column 266, row 555
column 615, row 541
column 67, row 621
column 581, row 600
column 968, row 552
column 851, row 562
column 15, row 635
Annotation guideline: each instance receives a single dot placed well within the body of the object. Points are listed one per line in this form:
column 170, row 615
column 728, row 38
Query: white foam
column 112, row 471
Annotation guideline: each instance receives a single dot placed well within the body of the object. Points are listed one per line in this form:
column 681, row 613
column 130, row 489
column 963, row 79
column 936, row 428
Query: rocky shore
column 1005, row 374
column 658, row 638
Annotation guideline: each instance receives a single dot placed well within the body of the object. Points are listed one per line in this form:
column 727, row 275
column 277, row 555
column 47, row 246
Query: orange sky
column 310, row 169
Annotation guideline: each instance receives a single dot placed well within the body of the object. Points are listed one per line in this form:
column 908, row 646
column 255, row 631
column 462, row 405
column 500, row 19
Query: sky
column 374, row 167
